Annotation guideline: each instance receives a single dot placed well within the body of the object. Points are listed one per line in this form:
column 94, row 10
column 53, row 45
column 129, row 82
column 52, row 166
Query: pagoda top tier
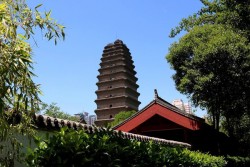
column 118, row 41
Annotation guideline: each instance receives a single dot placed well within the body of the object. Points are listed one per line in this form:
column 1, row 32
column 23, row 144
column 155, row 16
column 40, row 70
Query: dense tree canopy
column 231, row 13
column 212, row 66
column 212, row 63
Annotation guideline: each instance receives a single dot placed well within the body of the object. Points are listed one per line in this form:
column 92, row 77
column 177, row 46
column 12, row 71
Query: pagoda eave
column 116, row 79
column 117, row 88
column 115, row 108
column 117, row 97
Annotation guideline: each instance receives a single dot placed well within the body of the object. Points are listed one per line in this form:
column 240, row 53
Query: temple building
column 163, row 120
column 117, row 88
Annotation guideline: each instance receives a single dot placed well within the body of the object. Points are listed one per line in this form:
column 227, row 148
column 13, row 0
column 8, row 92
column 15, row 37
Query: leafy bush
column 103, row 148
column 120, row 117
column 237, row 161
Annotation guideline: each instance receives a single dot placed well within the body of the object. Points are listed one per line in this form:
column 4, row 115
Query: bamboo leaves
column 18, row 92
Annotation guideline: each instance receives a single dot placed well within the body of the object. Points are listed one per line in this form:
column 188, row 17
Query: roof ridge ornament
column 156, row 94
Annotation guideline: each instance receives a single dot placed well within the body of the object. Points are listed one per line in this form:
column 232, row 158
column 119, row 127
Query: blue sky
column 67, row 72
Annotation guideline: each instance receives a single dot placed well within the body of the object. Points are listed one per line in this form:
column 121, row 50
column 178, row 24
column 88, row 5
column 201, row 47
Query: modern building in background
column 92, row 119
column 117, row 88
column 186, row 107
column 179, row 104
column 86, row 118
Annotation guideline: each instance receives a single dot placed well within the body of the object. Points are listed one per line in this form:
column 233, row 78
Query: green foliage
column 193, row 158
column 104, row 148
column 212, row 60
column 17, row 24
column 239, row 129
column 238, row 161
column 234, row 14
column 211, row 63
column 54, row 111
column 13, row 129
column 120, row 117
column 18, row 93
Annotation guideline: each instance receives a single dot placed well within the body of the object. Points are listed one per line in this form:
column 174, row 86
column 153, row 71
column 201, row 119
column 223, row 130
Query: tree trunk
column 217, row 118
column 213, row 116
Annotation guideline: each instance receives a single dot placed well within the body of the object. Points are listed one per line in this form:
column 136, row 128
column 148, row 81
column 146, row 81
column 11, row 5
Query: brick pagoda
column 117, row 88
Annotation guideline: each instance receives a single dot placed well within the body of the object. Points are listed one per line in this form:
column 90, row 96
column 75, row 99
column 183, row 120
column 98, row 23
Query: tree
column 240, row 132
column 121, row 117
column 54, row 111
column 17, row 24
column 212, row 61
column 18, row 92
column 231, row 13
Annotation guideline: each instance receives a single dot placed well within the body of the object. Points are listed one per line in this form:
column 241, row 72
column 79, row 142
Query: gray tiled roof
column 49, row 123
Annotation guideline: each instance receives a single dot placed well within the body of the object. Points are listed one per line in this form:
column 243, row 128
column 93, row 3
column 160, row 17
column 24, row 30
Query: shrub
column 120, row 117
column 235, row 161
column 103, row 148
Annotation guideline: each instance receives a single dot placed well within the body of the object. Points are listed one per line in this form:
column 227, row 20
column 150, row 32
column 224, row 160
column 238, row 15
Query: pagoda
column 117, row 88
